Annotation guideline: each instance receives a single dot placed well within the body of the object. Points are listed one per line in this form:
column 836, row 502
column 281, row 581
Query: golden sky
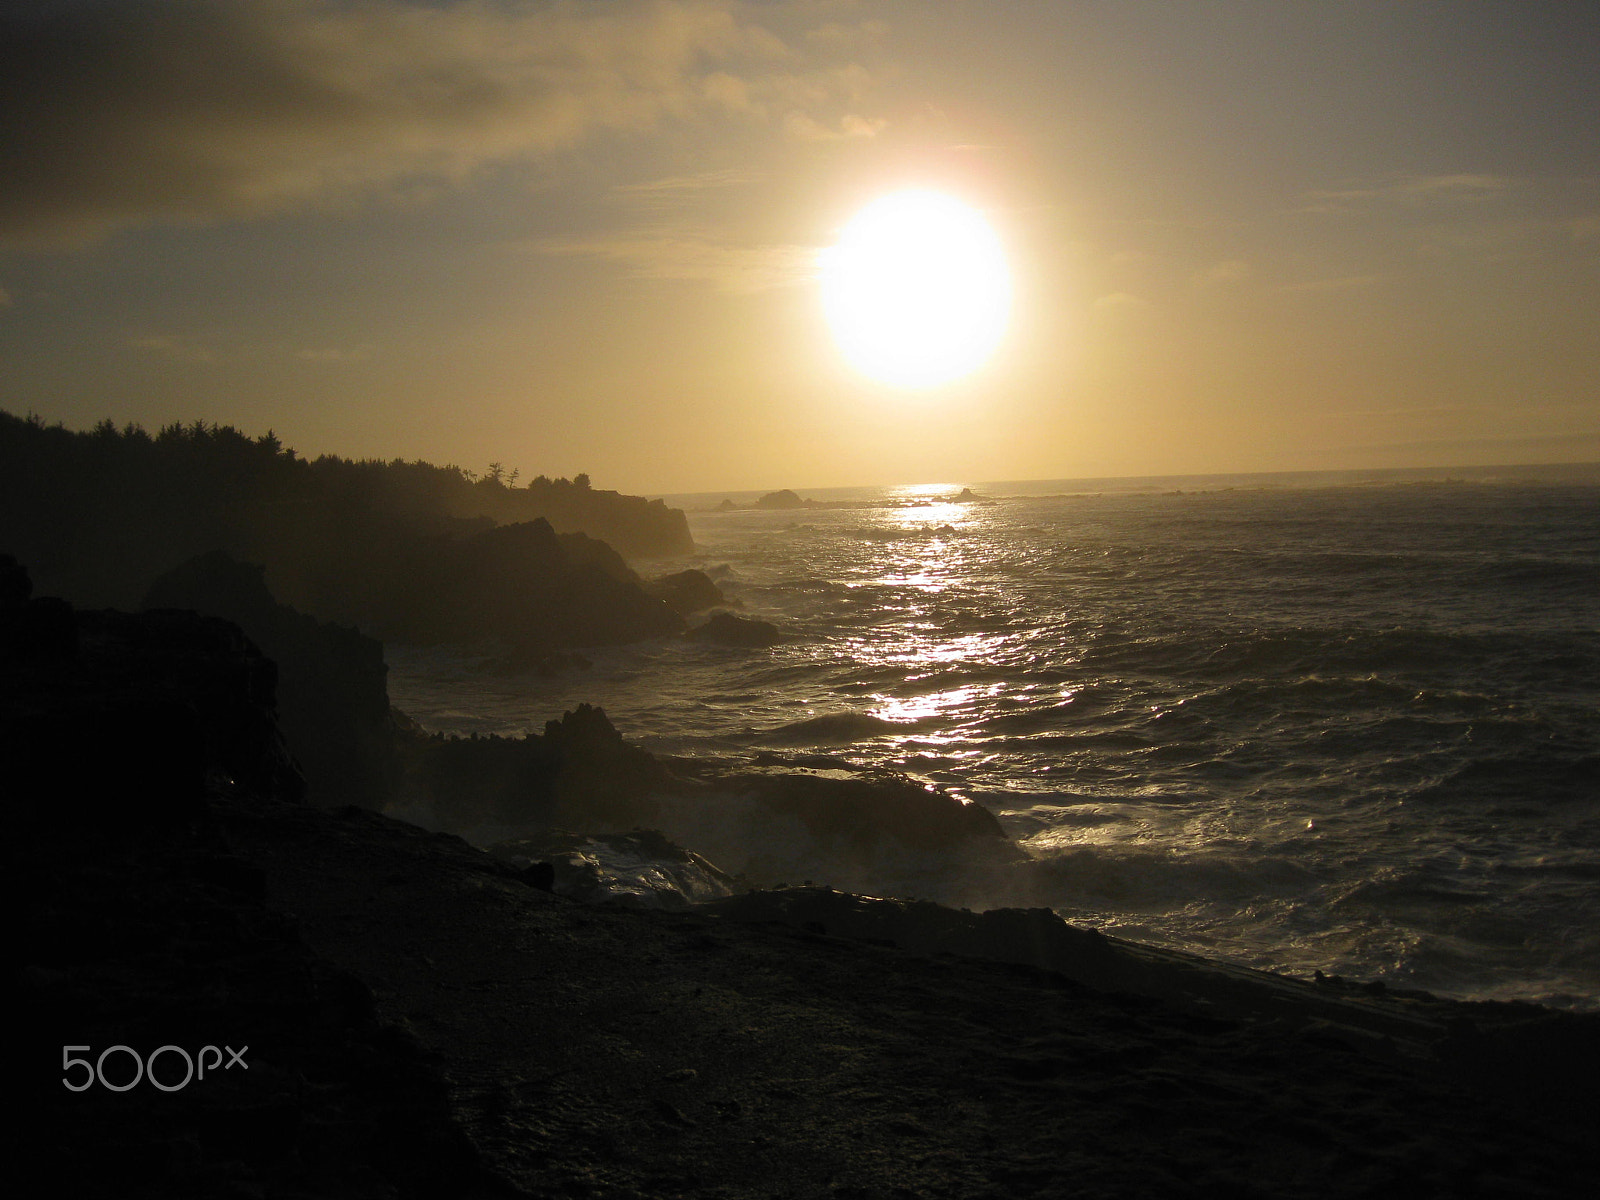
column 1242, row 234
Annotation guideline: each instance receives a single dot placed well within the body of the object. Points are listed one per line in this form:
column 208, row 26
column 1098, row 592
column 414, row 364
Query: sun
column 917, row 290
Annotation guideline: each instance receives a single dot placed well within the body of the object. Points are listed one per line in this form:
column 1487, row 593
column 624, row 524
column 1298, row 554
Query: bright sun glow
column 916, row 291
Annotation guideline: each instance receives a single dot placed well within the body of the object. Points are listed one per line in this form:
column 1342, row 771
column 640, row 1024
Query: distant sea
column 1339, row 722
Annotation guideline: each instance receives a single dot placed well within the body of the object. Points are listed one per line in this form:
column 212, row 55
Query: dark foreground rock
column 145, row 932
column 332, row 689
column 641, row 869
column 420, row 1019
column 613, row 1052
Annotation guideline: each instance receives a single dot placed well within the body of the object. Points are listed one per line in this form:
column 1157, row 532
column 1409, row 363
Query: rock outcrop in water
column 783, row 498
column 726, row 629
column 687, row 592
column 522, row 583
column 768, row 823
column 577, row 774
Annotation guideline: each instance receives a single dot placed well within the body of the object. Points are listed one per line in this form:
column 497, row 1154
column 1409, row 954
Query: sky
column 1242, row 235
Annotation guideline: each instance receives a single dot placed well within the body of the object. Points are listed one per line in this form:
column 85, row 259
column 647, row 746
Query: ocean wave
column 1311, row 683
column 832, row 729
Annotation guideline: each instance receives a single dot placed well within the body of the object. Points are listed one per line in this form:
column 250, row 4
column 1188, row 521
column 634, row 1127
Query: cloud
column 805, row 128
column 694, row 255
column 1224, row 274
column 694, row 227
column 837, row 36
column 336, row 354
column 1339, row 283
column 1410, row 190
column 174, row 347
column 676, row 191
column 114, row 115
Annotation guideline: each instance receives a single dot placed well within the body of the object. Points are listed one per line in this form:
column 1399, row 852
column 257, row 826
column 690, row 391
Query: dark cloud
column 119, row 114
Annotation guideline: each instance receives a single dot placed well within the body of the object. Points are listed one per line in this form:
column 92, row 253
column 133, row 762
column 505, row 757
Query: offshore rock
column 783, row 498
column 526, row 583
column 333, row 700
column 725, row 629
column 863, row 832
column 687, row 592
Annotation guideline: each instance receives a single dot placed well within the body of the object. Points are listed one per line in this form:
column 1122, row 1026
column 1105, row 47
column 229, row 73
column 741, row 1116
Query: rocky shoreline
column 422, row 1018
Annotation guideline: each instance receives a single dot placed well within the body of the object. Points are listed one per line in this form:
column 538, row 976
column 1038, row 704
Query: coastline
column 423, row 1020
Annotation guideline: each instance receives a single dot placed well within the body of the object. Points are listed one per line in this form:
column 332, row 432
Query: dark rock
column 632, row 525
column 39, row 630
column 780, row 499
column 128, row 735
column 139, row 927
column 639, row 869
column 524, row 583
column 728, row 630
column 15, row 585
column 687, row 592
column 333, row 700
column 585, row 551
column 862, row 813
column 1035, row 936
column 540, row 875
column 578, row 774
column 872, row 832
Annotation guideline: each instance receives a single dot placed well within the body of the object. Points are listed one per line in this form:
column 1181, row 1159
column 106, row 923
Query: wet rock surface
column 642, row 869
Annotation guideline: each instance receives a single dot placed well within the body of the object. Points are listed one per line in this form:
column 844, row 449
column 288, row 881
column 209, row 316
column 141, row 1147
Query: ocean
column 1347, row 723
